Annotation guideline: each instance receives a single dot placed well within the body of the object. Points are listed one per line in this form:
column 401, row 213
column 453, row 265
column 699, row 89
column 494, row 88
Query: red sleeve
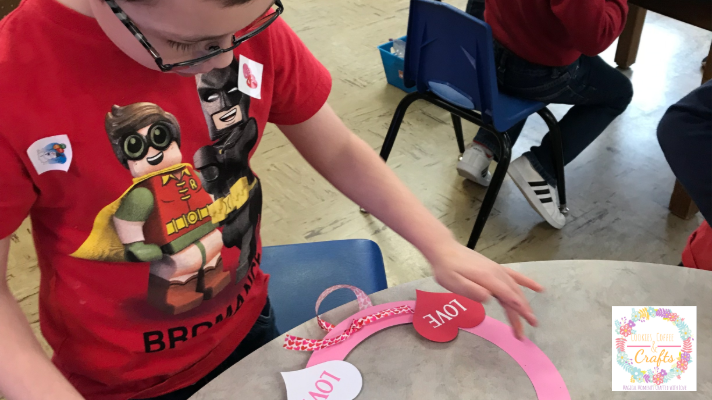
column 592, row 24
column 18, row 192
column 698, row 252
column 301, row 83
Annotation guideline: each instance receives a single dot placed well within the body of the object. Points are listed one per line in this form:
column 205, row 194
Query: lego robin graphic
column 224, row 165
column 164, row 217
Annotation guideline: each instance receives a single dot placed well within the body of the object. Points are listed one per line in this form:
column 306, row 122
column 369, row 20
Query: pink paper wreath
column 548, row 383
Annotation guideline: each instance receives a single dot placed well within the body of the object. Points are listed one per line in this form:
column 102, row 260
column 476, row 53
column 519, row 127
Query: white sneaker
column 540, row 195
column 475, row 163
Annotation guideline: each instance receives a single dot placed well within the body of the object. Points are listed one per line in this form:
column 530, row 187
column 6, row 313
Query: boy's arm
column 592, row 24
column 357, row 171
column 25, row 370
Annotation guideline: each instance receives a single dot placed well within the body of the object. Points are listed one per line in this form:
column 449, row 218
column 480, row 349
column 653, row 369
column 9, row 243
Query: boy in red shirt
column 126, row 131
column 547, row 50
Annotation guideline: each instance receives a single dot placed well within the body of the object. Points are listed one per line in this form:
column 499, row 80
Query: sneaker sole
column 529, row 194
column 478, row 179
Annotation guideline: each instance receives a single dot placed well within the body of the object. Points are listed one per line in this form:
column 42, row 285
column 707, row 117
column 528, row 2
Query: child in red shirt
column 547, row 50
column 126, row 131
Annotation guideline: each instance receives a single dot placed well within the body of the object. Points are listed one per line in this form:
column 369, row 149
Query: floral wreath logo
column 658, row 376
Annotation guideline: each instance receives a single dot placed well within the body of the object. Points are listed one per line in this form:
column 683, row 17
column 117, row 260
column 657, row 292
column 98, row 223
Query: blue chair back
column 299, row 273
column 450, row 54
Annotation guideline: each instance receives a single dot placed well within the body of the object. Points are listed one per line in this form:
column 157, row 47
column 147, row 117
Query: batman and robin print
column 170, row 216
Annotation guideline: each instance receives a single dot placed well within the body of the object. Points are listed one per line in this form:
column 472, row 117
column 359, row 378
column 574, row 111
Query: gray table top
column 574, row 331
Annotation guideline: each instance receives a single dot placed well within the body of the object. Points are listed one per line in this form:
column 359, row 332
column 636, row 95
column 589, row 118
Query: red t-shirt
column 698, row 252
column 137, row 329
column 556, row 32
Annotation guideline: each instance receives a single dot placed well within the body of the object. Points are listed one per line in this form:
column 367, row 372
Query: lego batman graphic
column 224, row 165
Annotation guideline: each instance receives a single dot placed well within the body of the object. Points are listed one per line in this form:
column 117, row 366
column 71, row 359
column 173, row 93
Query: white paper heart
column 332, row 380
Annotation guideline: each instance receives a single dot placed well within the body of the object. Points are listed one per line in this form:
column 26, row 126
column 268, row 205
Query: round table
column 574, row 331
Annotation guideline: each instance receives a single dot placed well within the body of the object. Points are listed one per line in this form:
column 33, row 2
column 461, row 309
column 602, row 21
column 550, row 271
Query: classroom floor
column 618, row 188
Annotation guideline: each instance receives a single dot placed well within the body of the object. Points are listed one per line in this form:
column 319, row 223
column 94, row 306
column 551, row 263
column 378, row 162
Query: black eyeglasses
column 160, row 136
column 253, row 29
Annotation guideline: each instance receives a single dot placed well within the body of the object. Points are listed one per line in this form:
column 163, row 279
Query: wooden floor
column 618, row 188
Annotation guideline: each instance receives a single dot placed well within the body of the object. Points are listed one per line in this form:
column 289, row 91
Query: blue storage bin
column 394, row 66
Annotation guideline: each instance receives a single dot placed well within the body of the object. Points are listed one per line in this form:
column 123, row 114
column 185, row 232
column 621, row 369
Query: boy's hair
column 225, row 3
column 122, row 121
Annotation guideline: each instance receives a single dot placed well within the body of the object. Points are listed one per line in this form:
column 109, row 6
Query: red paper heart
column 438, row 316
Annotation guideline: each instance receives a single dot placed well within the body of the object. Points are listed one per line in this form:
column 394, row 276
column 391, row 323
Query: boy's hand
column 466, row 272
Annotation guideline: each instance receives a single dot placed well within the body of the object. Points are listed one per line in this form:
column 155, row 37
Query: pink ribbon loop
column 363, row 303
column 300, row 344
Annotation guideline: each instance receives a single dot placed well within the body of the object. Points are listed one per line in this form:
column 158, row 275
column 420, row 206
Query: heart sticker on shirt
column 332, row 380
column 439, row 316
column 249, row 80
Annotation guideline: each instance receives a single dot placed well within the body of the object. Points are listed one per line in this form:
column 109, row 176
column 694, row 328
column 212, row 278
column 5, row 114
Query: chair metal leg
column 558, row 149
column 457, row 114
column 457, row 123
column 493, row 190
column 396, row 123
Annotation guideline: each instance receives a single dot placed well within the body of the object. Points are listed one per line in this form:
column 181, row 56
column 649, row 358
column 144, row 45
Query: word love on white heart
column 332, row 380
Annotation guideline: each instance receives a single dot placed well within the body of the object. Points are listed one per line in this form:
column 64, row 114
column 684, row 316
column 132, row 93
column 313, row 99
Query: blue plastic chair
column 450, row 59
column 301, row 272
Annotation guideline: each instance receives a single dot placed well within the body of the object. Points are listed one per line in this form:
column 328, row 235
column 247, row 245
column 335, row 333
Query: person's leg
column 487, row 139
column 685, row 136
column 599, row 92
column 261, row 333
column 475, row 161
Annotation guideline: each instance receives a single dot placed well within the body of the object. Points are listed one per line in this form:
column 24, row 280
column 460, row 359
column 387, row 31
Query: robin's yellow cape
column 103, row 243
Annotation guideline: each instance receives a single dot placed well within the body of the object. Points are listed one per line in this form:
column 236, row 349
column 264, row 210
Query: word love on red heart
column 439, row 316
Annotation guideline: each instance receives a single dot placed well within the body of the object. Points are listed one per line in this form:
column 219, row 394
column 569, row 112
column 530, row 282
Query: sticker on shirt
column 51, row 154
column 249, row 79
